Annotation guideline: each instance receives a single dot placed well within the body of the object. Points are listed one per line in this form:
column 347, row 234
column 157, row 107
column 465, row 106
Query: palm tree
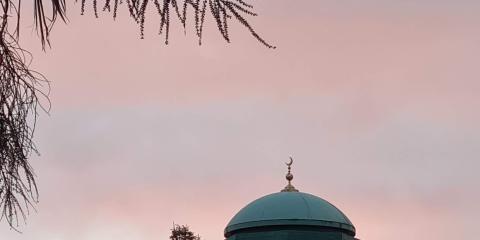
column 24, row 92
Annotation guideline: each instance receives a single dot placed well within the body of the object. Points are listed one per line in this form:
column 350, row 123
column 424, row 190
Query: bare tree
column 23, row 91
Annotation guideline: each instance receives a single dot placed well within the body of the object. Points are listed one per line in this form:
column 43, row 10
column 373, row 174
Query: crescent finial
column 291, row 161
column 289, row 177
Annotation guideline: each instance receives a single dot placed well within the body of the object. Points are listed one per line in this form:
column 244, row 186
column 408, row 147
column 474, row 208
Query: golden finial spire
column 289, row 177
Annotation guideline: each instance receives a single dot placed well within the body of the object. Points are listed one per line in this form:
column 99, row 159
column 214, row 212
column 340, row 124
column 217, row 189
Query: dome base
column 291, row 233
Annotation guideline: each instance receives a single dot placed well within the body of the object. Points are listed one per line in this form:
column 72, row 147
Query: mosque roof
column 290, row 208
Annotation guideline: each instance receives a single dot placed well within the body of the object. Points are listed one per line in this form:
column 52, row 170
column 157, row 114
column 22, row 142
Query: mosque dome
column 290, row 215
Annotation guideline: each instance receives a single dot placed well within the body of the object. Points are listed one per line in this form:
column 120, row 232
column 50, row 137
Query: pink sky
column 377, row 101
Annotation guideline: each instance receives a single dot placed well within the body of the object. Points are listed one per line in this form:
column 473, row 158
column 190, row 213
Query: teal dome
column 294, row 209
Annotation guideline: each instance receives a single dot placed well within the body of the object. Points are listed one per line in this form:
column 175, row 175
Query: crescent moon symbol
column 291, row 161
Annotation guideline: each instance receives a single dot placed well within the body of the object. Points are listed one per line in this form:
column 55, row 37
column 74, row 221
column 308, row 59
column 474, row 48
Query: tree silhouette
column 182, row 233
column 23, row 91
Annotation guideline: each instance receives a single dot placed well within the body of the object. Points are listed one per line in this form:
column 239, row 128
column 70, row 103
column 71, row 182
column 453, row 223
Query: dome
column 290, row 215
column 290, row 208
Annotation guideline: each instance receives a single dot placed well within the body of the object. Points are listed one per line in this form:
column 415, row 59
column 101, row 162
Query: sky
column 377, row 101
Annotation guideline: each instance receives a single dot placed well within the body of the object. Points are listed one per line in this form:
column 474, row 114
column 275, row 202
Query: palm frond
column 222, row 11
column 20, row 97
column 43, row 22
